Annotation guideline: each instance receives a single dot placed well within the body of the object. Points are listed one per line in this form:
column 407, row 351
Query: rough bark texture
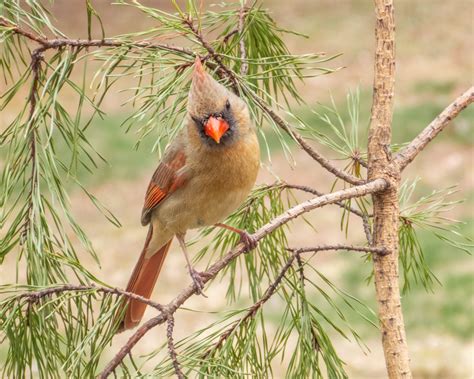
column 386, row 207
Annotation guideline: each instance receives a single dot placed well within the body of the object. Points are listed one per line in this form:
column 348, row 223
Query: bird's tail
column 142, row 282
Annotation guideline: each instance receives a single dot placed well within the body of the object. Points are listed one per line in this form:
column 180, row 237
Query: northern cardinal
column 206, row 173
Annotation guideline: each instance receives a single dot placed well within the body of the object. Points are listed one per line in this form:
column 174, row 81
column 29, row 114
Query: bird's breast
column 218, row 183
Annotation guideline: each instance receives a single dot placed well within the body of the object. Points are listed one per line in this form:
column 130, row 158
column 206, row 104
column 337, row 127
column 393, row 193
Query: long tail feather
column 142, row 282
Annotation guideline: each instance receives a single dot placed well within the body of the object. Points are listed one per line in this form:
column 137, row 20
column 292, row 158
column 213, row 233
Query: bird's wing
column 167, row 178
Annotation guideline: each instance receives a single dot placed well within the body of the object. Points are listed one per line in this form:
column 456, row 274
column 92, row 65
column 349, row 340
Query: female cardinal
column 205, row 174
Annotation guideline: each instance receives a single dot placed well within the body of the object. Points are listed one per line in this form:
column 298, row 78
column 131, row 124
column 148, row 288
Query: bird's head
column 218, row 115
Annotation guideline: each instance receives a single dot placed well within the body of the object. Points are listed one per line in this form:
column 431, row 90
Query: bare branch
column 171, row 348
column 230, row 34
column 406, row 156
column 292, row 213
column 315, row 249
column 319, row 193
column 367, row 229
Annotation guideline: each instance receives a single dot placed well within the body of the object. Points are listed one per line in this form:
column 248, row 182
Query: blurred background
column 435, row 63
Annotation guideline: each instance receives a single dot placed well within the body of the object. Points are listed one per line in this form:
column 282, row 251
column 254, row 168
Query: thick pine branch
column 406, row 156
column 319, row 193
column 386, row 203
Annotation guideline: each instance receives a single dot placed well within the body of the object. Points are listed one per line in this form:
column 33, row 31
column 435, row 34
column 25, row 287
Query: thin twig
column 35, row 65
column 243, row 53
column 229, row 35
column 315, row 249
column 215, row 56
column 404, row 157
column 357, row 158
column 172, row 349
column 292, row 213
column 271, row 113
column 255, row 307
column 367, row 229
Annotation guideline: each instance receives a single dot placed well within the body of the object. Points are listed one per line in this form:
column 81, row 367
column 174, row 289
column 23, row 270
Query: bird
column 206, row 172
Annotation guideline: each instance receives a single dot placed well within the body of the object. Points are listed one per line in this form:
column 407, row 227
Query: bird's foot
column 198, row 281
column 248, row 240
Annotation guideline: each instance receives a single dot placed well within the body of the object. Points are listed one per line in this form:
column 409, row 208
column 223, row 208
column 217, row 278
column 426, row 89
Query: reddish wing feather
column 164, row 181
column 153, row 196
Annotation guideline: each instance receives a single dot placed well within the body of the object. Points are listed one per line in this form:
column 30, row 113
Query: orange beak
column 216, row 127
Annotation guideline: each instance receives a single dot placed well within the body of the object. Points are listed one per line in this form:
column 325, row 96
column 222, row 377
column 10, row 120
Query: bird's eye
column 227, row 104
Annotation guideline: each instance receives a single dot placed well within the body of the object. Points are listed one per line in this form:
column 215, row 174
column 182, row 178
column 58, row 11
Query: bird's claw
column 248, row 240
column 197, row 280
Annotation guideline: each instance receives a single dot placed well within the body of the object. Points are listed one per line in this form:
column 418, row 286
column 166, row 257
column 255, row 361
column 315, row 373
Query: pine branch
column 63, row 42
column 35, row 66
column 294, row 212
column 35, row 296
column 406, row 156
column 83, row 43
column 255, row 307
column 324, row 162
column 296, row 254
column 212, row 53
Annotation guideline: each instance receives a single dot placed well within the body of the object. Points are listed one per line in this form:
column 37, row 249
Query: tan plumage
column 205, row 174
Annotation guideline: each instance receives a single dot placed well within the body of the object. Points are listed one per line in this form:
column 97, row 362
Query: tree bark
column 386, row 205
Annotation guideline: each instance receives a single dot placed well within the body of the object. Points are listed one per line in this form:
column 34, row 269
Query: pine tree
column 59, row 322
